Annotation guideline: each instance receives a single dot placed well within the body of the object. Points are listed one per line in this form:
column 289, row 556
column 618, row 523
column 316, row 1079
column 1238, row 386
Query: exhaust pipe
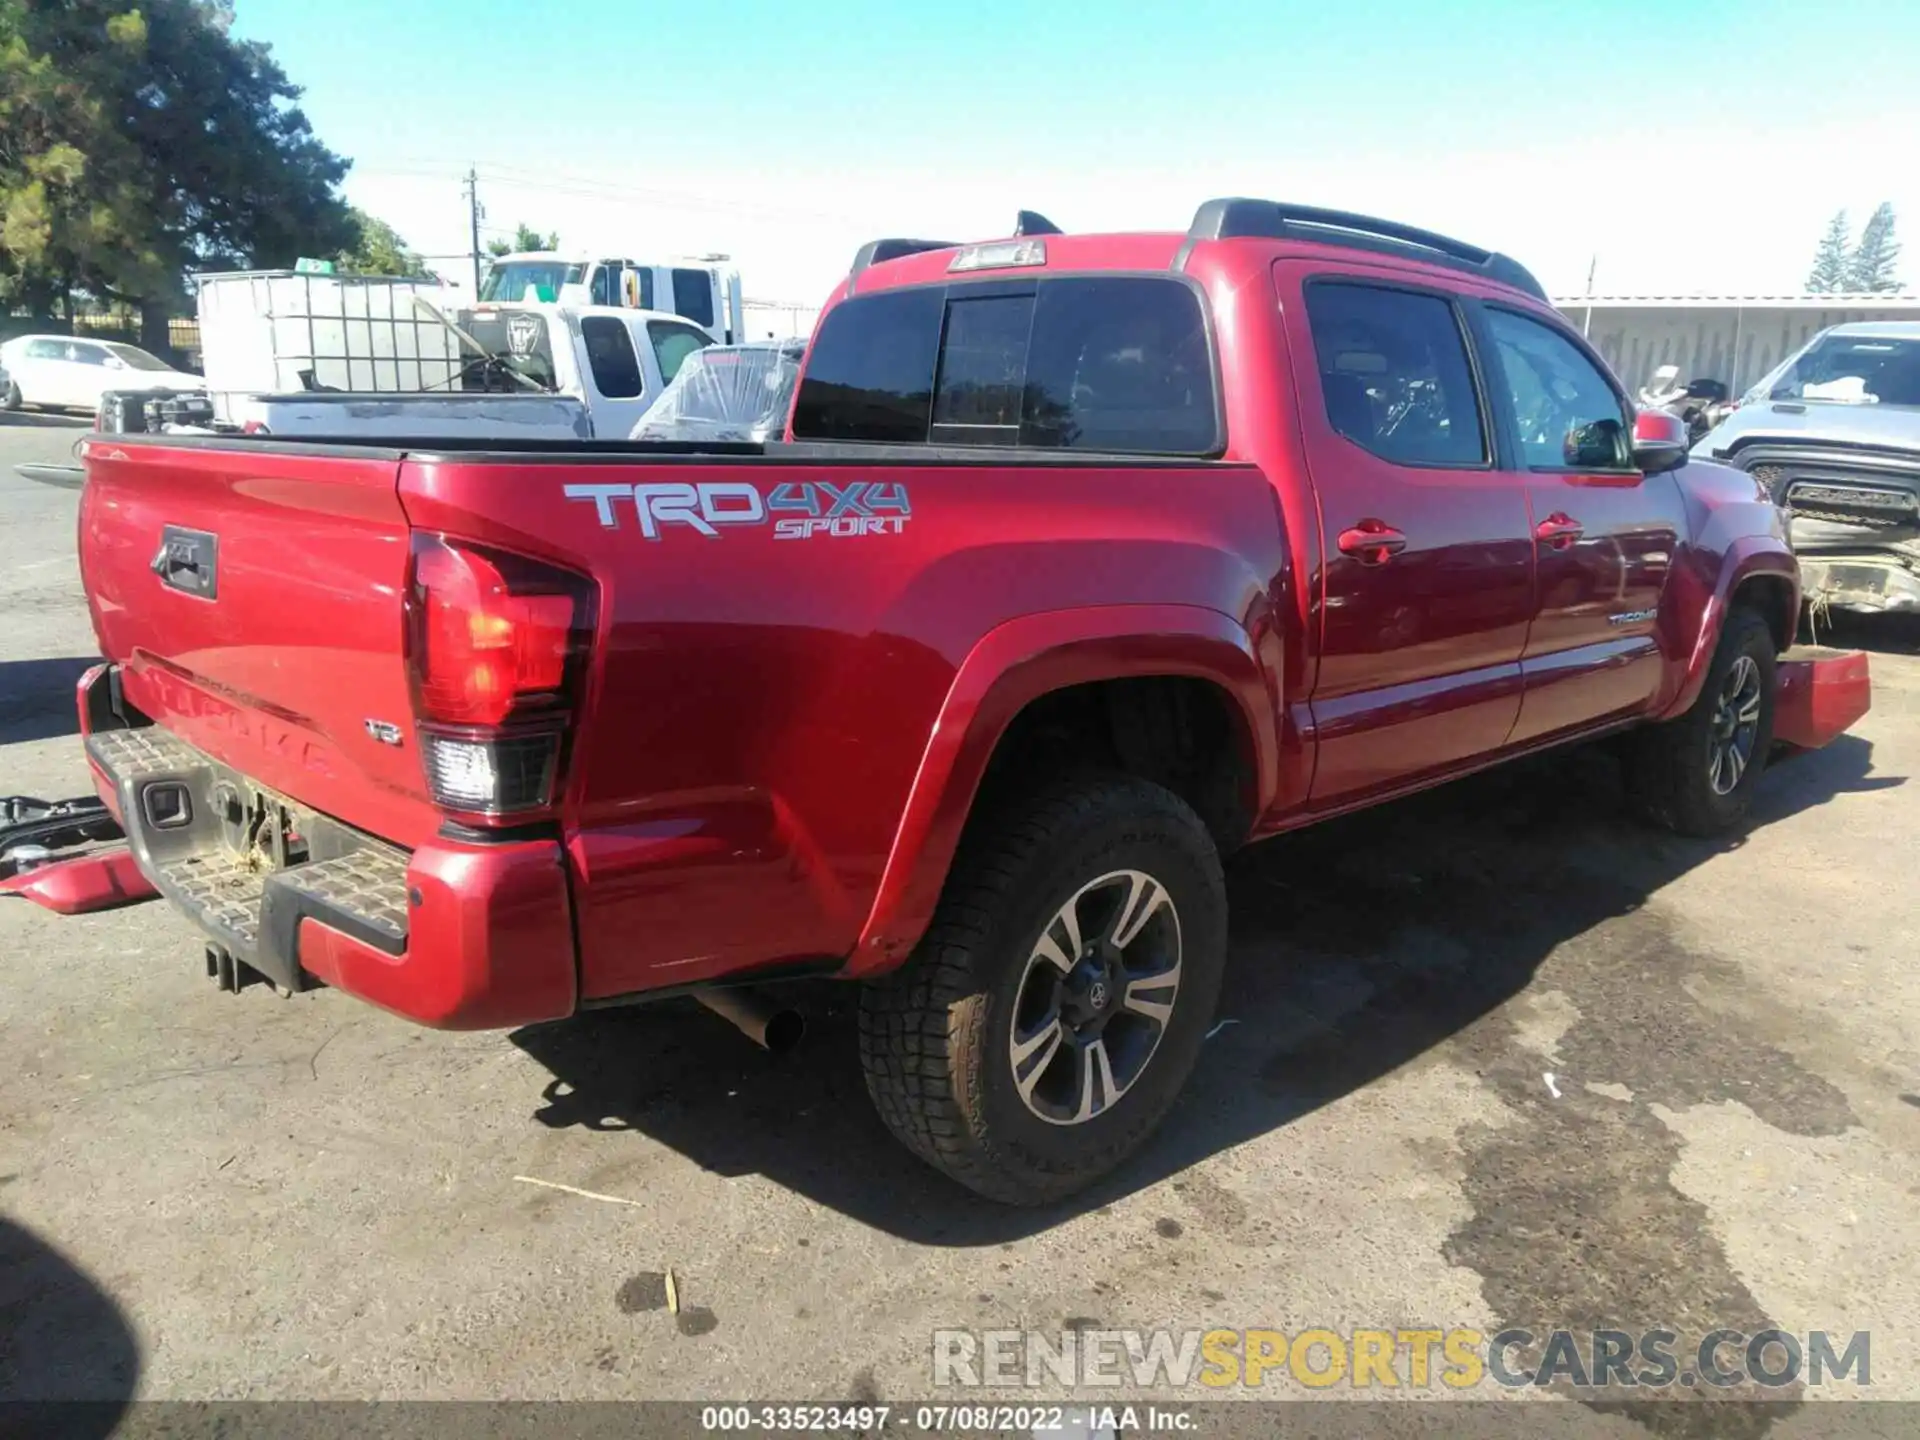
column 767, row 1023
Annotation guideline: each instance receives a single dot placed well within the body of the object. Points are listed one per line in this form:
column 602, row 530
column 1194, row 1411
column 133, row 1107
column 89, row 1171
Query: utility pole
column 1586, row 325
column 473, row 223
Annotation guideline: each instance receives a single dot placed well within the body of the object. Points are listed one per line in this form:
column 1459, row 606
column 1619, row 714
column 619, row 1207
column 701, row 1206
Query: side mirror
column 1660, row 442
column 1714, row 392
column 1656, row 457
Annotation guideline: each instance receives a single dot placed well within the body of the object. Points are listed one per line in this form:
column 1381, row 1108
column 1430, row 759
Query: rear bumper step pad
column 246, row 864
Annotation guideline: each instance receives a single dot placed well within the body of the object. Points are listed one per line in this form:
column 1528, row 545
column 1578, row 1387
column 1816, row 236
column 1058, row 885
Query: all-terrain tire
column 936, row 1037
column 1670, row 766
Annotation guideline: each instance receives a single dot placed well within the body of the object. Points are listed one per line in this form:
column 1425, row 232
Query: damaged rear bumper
column 454, row 934
column 1818, row 693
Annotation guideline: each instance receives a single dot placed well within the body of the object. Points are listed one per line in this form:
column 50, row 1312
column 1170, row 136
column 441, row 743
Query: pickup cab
column 1085, row 560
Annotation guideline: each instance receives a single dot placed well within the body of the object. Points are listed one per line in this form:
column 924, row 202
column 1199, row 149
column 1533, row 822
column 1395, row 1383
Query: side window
column 47, row 350
column 611, row 357
column 87, row 354
column 693, row 295
column 1568, row 416
column 672, row 344
column 1395, row 374
column 606, row 280
column 870, row 375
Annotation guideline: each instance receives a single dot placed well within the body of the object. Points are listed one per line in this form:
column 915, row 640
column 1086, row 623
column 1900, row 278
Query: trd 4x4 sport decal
column 797, row 510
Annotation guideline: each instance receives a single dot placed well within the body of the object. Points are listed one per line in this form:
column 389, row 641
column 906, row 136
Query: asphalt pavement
column 1497, row 1057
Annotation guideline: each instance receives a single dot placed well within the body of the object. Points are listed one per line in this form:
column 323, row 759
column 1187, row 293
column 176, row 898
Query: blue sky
column 1691, row 147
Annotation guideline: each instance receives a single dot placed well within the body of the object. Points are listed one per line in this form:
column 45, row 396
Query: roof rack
column 1234, row 218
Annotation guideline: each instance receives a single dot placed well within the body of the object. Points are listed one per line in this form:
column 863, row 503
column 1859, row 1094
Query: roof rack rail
column 1032, row 222
column 1235, row 218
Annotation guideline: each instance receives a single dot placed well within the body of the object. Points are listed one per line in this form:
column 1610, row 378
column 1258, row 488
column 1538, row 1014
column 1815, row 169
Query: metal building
column 1737, row 339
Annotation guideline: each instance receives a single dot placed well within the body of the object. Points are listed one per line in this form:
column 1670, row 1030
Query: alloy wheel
column 1095, row 997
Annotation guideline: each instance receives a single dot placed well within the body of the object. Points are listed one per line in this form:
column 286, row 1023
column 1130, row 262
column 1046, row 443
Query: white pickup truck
column 321, row 356
column 537, row 372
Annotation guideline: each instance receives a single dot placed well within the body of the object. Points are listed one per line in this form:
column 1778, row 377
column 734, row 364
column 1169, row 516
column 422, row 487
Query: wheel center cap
column 1098, row 995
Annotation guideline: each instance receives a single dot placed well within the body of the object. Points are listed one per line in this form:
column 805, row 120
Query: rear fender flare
column 1746, row 558
column 1011, row 666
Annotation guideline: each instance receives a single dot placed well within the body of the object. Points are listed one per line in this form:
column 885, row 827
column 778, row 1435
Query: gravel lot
column 210, row 1196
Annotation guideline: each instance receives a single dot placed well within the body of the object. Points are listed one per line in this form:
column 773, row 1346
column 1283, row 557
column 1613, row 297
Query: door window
column 87, row 354
column 1395, row 374
column 611, row 357
column 47, row 350
column 693, row 295
column 672, row 344
column 1567, row 415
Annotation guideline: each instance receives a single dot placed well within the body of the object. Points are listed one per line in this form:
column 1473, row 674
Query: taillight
column 496, row 644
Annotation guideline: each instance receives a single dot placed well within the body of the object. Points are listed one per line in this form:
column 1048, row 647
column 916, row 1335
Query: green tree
column 1870, row 269
column 525, row 238
column 139, row 141
column 1829, row 271
column 378, row 250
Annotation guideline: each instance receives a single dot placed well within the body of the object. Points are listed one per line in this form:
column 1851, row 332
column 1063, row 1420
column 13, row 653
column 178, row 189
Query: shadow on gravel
column 69, row 1360
column 1357, row 947
column 37, row 697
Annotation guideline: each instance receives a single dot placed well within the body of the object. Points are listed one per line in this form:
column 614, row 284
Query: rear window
column 1108, row 363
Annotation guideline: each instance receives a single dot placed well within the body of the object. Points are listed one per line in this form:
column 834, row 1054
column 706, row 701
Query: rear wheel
column 1057, row 1004
column 1696, row 774
column 11, row 399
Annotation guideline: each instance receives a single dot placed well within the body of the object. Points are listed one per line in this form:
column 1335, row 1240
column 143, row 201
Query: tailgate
column 253, row 594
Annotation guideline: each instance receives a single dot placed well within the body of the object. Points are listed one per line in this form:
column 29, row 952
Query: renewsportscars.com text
column 1399, row 1358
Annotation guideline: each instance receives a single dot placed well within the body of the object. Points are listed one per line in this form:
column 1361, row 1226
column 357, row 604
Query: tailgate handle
column 188, row 561
column 169, row 562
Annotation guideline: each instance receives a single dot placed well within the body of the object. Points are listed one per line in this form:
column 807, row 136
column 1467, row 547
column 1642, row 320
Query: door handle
column 1372, row 542
column 1559, row 530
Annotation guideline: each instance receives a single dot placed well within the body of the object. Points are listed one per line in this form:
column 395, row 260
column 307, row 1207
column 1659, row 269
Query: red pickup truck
column 1085, row 560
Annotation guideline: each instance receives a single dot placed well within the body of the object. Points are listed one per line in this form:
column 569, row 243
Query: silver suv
column 1834, row 436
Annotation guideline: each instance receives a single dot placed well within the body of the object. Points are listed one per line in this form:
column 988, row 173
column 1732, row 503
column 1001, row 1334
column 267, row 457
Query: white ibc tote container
column 275, row 331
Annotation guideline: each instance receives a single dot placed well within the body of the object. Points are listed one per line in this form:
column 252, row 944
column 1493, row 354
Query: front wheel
column 1054, row 1010
column 1696, row 774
